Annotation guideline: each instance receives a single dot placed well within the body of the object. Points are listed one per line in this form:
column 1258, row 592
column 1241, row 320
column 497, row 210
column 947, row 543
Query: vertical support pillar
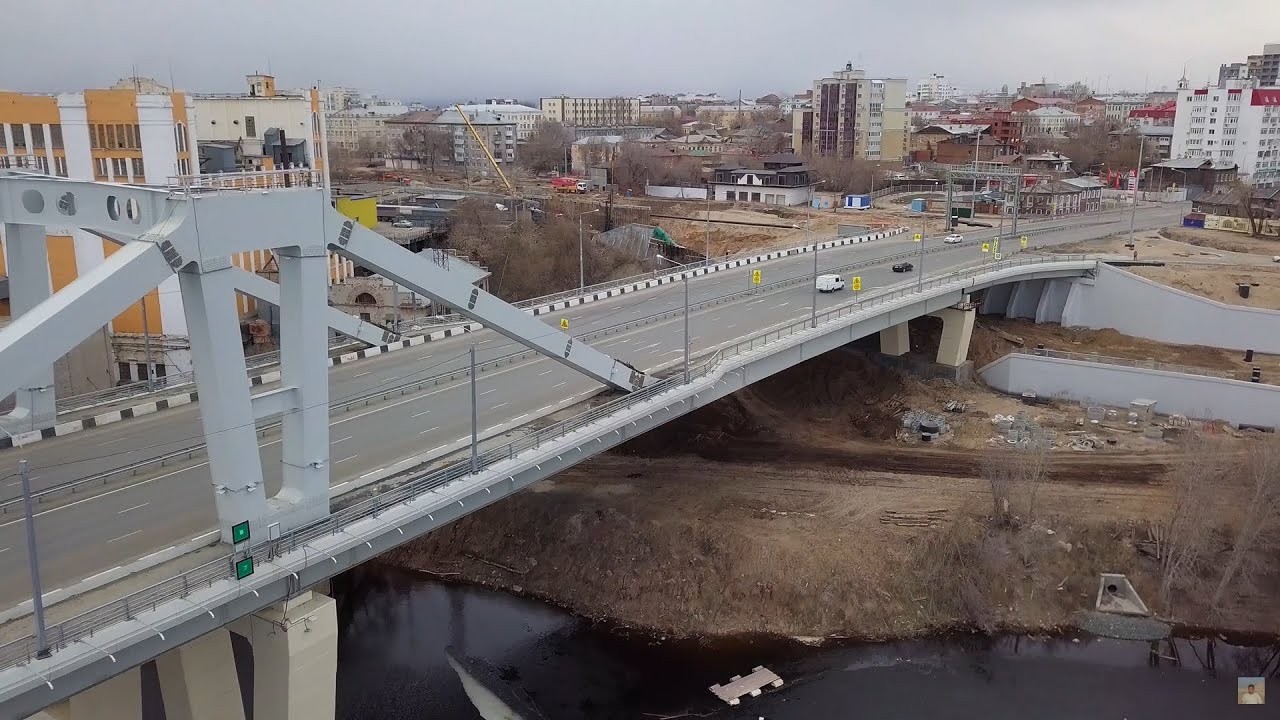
column 119, row 698
column 895, row 340
column 29, row 285
column 295, row 658
column 957, row 329
column 304, row 356
column 209, row 301
column 198, row 680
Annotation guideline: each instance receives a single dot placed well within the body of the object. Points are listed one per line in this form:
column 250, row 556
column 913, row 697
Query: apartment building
column 1050, row 121
column 1237, row 124
column 1265, row 67
column 264, row 129
column 525, row 118
column 591, row 111
column 853, row 116
column 496, row 131
column 118, row 135
column 935, row 88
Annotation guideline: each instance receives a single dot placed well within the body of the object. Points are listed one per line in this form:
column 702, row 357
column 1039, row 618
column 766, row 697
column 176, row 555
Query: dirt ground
column 1210, row 263
column 728, row 238
column 796, row 507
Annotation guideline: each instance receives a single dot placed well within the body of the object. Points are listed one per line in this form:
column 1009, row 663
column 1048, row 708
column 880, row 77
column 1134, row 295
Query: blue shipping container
column 918, row 205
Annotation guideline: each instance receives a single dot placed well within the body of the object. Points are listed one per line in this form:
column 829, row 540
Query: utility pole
column 1017, row 201
column 973, row 199
column 582, row 276
column 708, row 227
column 808, row 228
column 475, row 416
column 920, row 265
column 395, row 304
column 146, row 345
column 686, row 327
column 1137, row 180
column 33, row 562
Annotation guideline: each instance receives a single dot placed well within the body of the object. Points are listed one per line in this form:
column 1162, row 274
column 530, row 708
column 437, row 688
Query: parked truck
column 568, row 185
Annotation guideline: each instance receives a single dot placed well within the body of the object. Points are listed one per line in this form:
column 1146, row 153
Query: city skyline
column 495, row 48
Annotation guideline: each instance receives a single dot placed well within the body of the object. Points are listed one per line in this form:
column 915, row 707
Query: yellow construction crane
column 485, row 147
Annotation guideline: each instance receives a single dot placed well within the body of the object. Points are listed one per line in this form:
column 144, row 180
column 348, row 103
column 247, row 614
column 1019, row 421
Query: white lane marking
column 544, row 407
column 695, row 337
column 553, row 387
column 135, row 532
column 486, row 392
column 393, row 377
column 370, row 473
column 5, row 550
column 109, row 492
column 438, row 447
column 135, row 507
column 353, row 457
column 495, row 407
column 520, row 417
column 546, row 373
column 362, row 374
column 785, row 304
column 730, row 327
column 430, row 429
column 335, row 442
column 425, row 412
column 113, row 442
column 654, row 345
column 380, row 408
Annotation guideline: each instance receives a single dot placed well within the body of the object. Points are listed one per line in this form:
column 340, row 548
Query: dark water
column 395, row 626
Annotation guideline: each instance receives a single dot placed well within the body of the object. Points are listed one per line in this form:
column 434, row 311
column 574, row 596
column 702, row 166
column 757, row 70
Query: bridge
column 328, row 510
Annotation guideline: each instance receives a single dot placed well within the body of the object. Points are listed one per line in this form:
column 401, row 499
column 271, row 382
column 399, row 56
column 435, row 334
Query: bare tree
column 1243, row 193
column 1183, row 532
column 370, row 149
column 850, row 175
column 547, row 147
column 1077, row 91
column 1014, row 475
column 1259, row 524
column 424, row 144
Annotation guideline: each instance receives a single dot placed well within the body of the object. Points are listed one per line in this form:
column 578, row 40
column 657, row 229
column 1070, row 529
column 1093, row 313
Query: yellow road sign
column 918, row 237
column 755, row 277
column 564, row 323
column 856, row 283
column 986, row 247
column 1023, row 240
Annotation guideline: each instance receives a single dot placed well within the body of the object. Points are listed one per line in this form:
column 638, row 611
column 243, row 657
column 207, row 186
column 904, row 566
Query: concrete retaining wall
column 675, row 192
column 1195, row 396
column 1136, row 306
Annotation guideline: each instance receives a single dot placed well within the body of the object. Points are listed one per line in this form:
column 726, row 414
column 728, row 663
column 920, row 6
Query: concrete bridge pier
column 295, row 658
column 896, row 340
column 198, row 681
column 957, row 330
column 36, row 404
column 119, row 698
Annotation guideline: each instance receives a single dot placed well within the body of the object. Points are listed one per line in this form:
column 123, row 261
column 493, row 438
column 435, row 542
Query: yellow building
column 140, row 132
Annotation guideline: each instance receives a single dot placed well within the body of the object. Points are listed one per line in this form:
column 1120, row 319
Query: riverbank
column 797, row 508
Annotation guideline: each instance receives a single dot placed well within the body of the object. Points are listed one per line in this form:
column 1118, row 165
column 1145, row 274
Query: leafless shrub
column 1014, row 474
column 1256, row 494
column 1184, row 531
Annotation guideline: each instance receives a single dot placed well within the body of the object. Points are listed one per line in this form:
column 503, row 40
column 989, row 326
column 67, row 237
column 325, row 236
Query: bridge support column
column 957, row 329
column 226, row 408
column 895, row 340
column 304, row 294
column 119, row 698
column 198, row 680
column 29, row 285
column 295, row 658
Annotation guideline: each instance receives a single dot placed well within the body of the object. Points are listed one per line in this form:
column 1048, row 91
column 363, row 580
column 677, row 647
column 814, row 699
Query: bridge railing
column 1145, row 364
column 86, row 624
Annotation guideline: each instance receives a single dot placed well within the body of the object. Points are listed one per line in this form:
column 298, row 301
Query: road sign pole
column 475, row 415
column 33, row 562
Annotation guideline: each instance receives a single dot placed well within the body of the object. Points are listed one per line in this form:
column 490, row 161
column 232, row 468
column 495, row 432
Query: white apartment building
column 1050, row 122
column 591, row 111
column 935, row 88
column 525, row 118
column 1239, row 124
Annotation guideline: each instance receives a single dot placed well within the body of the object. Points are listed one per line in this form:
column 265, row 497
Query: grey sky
column 459, row 49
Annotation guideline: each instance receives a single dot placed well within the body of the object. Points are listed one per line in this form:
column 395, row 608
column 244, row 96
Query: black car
column 903, row 267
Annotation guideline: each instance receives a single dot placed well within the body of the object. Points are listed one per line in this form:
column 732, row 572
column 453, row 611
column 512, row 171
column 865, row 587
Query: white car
column 953, row 239
column 402, row 224
column 829, row 283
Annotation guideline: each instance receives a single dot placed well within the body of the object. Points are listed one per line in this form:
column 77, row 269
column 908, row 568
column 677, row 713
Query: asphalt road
column 170, row 505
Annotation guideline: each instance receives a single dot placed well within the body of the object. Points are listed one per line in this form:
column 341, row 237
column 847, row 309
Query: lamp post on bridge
column 33, row 560
column 686, row 314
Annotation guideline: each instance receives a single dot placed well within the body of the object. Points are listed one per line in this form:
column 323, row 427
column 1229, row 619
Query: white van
column 830, row 283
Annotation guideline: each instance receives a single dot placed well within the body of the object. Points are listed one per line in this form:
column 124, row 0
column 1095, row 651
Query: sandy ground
column 796, row 507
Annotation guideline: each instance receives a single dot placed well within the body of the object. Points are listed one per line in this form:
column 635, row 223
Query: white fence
column 675, row 192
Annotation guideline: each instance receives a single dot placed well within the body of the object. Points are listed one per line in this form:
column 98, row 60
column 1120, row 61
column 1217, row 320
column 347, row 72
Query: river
column 396, row 625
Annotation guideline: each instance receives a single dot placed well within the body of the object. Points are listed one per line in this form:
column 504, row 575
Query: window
column 109, row 139
column 55, row 136
column 94, row 142
column 250, row 126
column 100, row 167
column 120, row 167
column 37, row 136
column 60, row 166
column 137, row 168
column 137, row 137
column 3, row 142
column 19, row 136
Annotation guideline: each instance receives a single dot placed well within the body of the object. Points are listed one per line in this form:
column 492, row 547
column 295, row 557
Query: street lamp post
column 582, row 276
column 1137, row 181
column 686, row 314
column 920, row 260
column 33, row 560
column 475, row 416
column 808, row 229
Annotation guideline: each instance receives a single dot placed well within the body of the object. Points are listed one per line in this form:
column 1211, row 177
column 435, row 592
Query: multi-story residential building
column 1154, row 115
column 335, row 99
column 1050, row 122
column 1236, row 124
column 525, row 118
column 496, row 131
column 920, row 114
column 854, row 116
column 1001, row 124
column 266, row 129
column 1119, row 106
column 1265, row 67
column 591, row 111
column 125, row 136
column 357, row 129
column 935, row 88
column 1091, row 108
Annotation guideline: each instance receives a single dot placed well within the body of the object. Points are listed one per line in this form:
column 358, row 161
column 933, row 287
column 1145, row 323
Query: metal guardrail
column 1146, row 364
column 87, row 623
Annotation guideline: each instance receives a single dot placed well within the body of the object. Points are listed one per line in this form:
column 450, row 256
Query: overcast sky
column 443, row 50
